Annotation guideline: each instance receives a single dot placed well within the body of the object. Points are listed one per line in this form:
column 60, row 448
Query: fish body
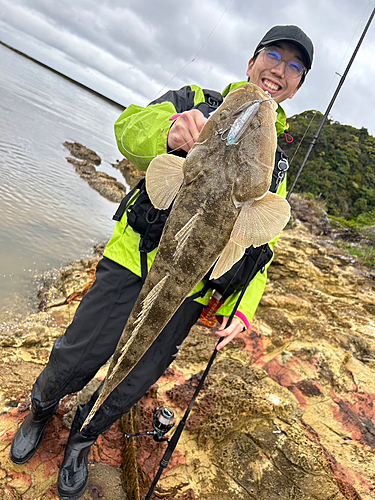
column 221, row 207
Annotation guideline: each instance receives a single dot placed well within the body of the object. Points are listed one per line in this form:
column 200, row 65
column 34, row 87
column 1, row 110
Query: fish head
column 249, row 162
column 254, row 155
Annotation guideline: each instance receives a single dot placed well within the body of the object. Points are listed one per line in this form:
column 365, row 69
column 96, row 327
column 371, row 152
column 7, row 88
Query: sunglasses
column 272, row 58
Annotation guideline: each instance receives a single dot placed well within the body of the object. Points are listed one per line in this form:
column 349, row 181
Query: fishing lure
column 247, row 114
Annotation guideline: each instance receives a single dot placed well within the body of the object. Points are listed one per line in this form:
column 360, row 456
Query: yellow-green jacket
column 142, row 134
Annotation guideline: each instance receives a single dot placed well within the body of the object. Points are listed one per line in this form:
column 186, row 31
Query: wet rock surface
column 286, row 412
column 84, row 162
column 82, row 153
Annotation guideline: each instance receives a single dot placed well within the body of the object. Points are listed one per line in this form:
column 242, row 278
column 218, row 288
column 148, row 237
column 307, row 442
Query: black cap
column 292, row 34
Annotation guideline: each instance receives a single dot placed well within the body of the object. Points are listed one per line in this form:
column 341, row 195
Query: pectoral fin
column 164, row 177
column 261, row 221
column 231, row 254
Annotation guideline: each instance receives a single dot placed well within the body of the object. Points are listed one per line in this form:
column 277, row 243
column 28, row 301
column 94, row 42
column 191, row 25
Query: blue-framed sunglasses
column 272, row 58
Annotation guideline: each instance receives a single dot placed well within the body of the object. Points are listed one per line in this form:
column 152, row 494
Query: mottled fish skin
column 217, row 180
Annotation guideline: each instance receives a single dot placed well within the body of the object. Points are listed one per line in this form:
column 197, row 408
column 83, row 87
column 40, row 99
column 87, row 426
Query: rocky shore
column 85, row 162
column 286, row 413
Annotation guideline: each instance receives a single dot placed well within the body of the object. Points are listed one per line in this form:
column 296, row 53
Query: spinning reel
column 164, row 420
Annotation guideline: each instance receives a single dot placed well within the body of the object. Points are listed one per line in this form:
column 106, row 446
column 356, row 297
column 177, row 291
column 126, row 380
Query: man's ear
column 250, row 67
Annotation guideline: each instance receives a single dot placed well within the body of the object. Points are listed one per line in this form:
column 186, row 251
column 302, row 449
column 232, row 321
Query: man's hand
column 186, row 129
column 229, row 333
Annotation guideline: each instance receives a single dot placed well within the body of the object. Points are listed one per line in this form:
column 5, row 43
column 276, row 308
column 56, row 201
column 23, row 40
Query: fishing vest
column 149, row 222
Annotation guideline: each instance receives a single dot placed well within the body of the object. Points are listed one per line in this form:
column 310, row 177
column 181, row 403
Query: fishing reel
column 163, row 421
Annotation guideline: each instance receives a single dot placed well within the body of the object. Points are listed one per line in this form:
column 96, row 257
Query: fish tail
column 109, row 383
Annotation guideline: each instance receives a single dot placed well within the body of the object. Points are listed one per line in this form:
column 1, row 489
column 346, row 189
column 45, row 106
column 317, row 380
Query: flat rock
column 287, row 410
column 82, row 153
column 106, row 185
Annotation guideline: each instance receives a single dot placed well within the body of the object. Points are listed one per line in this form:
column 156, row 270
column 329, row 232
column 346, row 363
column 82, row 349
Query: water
column 48, row 214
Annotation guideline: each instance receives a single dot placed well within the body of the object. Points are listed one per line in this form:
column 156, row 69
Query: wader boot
column 73, row 475
column 31, row 433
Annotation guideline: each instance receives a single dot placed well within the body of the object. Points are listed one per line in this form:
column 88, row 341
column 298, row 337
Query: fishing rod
column 340, row 84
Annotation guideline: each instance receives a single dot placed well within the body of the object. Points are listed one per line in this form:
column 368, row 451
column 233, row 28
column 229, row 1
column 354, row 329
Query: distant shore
column 64, row 76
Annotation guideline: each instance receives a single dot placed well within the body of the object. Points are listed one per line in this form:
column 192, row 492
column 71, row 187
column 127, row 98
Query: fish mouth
column 270, row 86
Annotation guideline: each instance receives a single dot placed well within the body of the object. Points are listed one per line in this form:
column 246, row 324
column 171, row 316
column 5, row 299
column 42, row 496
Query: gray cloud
column 131, row 50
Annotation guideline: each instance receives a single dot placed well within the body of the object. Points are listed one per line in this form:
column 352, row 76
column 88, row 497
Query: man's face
column 274, row 80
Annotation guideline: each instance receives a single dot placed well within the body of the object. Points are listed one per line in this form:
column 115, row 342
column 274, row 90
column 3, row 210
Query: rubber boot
column 31, row 433
column 73, row 475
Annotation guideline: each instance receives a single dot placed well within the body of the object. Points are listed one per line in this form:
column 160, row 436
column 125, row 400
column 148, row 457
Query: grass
column 364, row 253
column 358, row 224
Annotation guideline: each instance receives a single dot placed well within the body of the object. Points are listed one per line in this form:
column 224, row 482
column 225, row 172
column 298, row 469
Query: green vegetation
column 340, row 169
column 360, row 228
column 339, row 175
column 364, row 253
column 360, row 223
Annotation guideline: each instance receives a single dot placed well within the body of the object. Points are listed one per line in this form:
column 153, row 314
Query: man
column 171, row 123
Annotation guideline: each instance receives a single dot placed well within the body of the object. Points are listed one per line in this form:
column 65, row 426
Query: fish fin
column 93, row 410
column 230, row 255
column 183, row 234
column 261, row 221
column 164, row 178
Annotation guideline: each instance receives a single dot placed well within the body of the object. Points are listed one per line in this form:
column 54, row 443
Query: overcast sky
column 129, row 50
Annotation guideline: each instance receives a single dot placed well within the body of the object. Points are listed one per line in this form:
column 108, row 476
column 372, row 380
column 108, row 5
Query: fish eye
column 224, row 114
column 256, row 123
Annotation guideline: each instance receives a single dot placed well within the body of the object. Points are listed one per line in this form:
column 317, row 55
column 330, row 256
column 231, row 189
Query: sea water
column 48, row 214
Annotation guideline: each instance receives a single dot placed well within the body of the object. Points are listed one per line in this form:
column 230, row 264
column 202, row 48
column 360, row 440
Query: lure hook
column 222, row 133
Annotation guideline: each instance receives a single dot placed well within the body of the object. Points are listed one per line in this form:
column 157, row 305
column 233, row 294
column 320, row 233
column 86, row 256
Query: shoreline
column 76, row 82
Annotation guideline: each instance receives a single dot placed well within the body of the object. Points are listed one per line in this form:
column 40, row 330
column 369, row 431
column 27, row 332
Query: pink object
column 289, row 138
column 174, row 117
column 243, row 318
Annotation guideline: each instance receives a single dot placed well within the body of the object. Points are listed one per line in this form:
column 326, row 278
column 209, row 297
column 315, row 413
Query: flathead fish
column 222, row 205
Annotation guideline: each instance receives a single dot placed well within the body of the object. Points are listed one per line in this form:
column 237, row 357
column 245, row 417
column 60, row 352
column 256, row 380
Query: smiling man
column 171, row 123
column 279, row 66
column 281, row 62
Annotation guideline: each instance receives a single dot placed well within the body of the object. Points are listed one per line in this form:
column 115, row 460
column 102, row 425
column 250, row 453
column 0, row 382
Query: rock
column 84, row 162
column 105, row 483
column 69, row 283
column 286, row 412
column 106, row 185
column 83, row 167
column 37, row 479
column 131, row 174
column 82, row 153
column 244, row 439
column 311, row 214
